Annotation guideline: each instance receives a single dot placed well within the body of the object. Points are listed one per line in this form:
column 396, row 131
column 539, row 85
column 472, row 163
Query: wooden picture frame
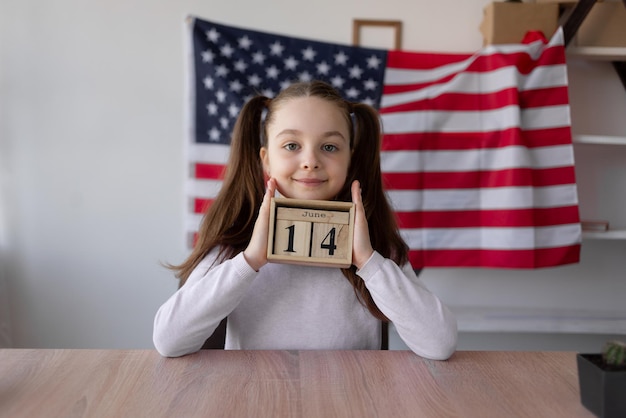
column 394, row 25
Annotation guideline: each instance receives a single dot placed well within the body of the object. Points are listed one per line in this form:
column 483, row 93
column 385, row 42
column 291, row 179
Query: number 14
column 328, row 243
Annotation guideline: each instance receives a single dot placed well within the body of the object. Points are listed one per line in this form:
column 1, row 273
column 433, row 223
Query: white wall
column 91, row 142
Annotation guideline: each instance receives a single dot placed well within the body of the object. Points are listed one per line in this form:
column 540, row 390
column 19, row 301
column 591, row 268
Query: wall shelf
column 489, row 319
column 610, row 234
column 597, row 53
column 599, row 139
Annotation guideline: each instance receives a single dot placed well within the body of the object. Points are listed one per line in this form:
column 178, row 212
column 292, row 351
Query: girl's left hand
column 362, row 246
column 256, row 251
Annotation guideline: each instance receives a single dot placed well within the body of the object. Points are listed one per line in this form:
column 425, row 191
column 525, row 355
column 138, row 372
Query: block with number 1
column 311, row 232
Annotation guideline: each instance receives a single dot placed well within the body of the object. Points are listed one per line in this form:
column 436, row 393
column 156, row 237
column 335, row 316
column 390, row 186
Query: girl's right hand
column 256, row 252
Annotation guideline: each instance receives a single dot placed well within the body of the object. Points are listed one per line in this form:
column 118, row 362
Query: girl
column 312, row 145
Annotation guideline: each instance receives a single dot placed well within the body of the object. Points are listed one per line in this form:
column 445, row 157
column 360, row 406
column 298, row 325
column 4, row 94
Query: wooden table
column 214, row 383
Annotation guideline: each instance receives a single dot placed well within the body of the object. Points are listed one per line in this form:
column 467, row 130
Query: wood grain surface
column 218, row 383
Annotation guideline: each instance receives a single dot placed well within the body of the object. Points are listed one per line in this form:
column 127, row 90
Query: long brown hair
column 229, row 221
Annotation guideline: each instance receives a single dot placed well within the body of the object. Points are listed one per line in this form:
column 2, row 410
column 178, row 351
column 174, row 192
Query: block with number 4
column 311, row 232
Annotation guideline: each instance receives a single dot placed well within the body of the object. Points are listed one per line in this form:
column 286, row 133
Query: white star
column 241, row 66
column 309, row 54
column 369, row 101
column 284, row 84
column 236, row 86
column 211, row 108
column 370, row 84
column 323, row 68
column 352, row 93
column 276, row 48
column 221, row 70
column 227, row 50
column 245, row 42
column 207, row 56
column 254, row 80
column 341, row 58
column 305, row 76
column 214, row 134
column 373, row 62
column 212, row 35
column 224, row 123
column 220, row 95
column 291, row 63
column 272, row 72
column 355, row 72
column 258, row 57
column 233, row 110
column 208, row 83
column 267, row 93
column 337, row 81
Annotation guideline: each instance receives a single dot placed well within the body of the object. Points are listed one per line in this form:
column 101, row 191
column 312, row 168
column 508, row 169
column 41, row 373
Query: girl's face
column 308, row 149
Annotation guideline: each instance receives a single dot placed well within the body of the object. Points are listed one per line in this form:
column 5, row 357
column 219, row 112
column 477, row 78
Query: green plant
column 614, row 353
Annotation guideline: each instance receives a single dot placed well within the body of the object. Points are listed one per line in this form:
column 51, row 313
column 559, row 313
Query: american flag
column 477, row 148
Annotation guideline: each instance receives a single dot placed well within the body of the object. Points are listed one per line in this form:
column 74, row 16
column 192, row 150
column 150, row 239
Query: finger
column 356, row 192
column 269, row 192
column 256, row 251
column 271, row 187
column 264, row 211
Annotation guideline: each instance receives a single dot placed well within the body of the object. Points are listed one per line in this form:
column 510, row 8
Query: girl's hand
column 362, row 246
column 256, row 252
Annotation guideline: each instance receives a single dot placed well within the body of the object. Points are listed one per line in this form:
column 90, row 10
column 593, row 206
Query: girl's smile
column 310, row 182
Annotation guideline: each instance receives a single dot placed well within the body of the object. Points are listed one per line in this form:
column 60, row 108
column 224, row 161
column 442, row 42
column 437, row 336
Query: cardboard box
column 605, row 25
column 508, row 23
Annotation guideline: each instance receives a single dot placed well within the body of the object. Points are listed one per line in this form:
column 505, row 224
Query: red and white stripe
column 478, row 158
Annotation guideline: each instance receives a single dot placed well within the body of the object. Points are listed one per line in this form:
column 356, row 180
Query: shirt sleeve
column 189, row 316
column 423, row 322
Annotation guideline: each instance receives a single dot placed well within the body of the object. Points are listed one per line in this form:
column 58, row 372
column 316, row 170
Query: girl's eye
column 329, row 147
column 291, row 147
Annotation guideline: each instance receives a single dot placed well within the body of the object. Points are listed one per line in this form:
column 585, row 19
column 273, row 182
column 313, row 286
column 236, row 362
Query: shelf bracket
column 620, row 67
column 573, row 17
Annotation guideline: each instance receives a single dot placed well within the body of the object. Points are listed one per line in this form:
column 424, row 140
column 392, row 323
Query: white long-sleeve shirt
column 300, row 308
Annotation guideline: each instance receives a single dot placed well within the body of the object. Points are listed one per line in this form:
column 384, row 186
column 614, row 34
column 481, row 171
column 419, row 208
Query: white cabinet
column 602, row 200
column 599, row 144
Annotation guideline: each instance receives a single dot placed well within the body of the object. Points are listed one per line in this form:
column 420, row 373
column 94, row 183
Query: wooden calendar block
column 311, row 232
column 295, row 237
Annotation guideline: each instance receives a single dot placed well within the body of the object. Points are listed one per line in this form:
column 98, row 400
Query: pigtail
column 383, row 229
column 380, row 216
column 229, row 221
column 366, row 151
column 243, row 187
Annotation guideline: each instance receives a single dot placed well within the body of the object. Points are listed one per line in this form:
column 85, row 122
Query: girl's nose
column 310, row 161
